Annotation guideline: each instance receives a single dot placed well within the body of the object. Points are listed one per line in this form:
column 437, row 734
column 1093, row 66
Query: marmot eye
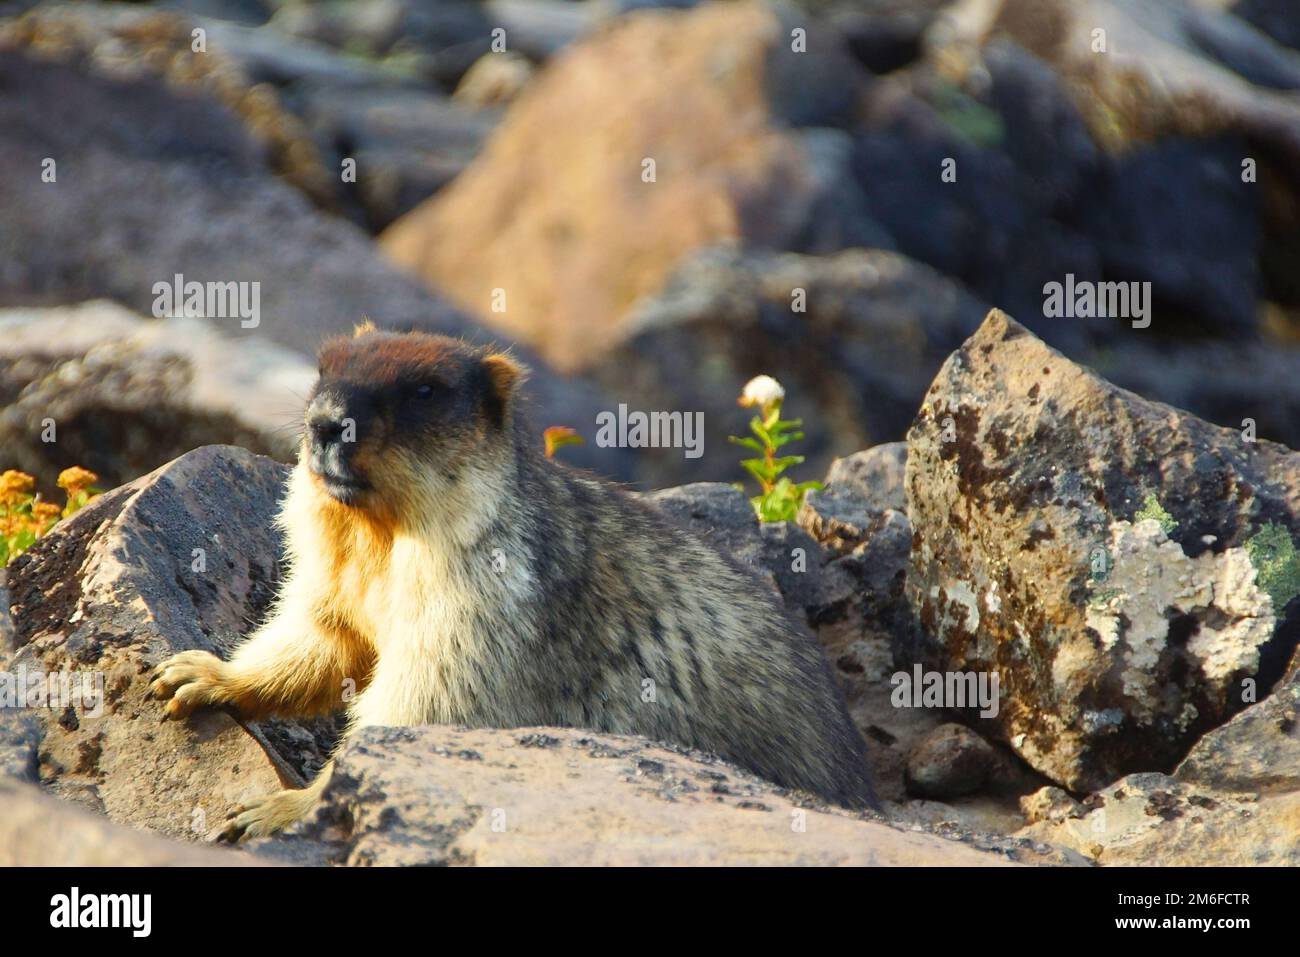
column 424, row 391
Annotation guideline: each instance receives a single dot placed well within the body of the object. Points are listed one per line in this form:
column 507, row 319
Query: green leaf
column 747, row 443
column 783, row 463
column 758, row 468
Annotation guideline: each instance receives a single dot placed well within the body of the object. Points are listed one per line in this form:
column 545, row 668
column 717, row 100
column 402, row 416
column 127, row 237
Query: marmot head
column 393, row 414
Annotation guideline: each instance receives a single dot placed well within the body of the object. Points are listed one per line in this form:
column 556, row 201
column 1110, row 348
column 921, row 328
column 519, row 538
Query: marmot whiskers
column 441, row 562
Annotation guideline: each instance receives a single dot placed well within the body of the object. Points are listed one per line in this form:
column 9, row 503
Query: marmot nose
column 325, row 431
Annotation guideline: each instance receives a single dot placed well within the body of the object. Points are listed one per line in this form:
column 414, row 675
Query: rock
column 1153, row 820
column 268, row 54
column 716, row 512
column 1164, row 67
column 843, row 520
column 861, row 614
column 41, row 831
column 850, row 595
column 950, row 761
column 185, row 557
column 857, row 608
column 1048, row 804
column 980, row 814
column 696, row 92
column 1258, row 750
column 816, row 591
column 249, row 12
column 875, row 474
column 1029, row 197
column 883, row 35
column 854, row 363
column 1021, row 157
column 128, row 395
column 407, row 143
column 227, row 219
column 132, row 44
column 1230, row 383
column 1203, row 262
column 1273, row 17
column 1179, row 70
column 1037, row 493
column 436, row 795
column 539, row 29
column 437, row 41
column 494, row 80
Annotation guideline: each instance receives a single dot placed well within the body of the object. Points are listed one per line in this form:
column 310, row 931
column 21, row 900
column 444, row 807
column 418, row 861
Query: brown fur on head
column 396, row 414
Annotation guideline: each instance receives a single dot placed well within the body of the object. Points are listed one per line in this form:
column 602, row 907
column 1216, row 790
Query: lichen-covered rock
column 183, row 558
column 1151, row 819
column 950, row 761
column 1092, row 549
column 1048, row 804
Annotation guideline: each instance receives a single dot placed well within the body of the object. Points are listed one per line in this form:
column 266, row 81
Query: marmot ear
column 361, row 328
column 504, row 377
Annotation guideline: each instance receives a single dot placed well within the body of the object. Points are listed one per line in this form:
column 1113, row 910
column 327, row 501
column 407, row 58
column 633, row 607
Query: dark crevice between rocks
column 1277, row 654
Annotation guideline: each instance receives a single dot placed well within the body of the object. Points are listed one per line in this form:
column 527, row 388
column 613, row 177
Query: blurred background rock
column 775, row 169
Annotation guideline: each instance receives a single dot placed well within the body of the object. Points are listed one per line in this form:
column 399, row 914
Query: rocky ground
column 1146, row 714
column 651, row 203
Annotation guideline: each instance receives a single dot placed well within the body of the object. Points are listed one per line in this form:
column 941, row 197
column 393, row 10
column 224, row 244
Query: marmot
column 456, row 575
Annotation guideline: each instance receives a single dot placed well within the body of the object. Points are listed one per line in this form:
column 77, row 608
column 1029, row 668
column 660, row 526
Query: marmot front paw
column 189, row 680
column 267, row 815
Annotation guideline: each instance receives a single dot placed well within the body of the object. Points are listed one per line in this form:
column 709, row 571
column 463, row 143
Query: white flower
column 762, row 390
